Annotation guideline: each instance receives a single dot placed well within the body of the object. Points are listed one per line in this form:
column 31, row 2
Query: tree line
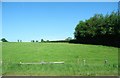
column 99, row 29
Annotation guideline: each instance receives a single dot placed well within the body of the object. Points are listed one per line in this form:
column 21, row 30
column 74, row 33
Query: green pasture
column 0, row 59
column 73, row 56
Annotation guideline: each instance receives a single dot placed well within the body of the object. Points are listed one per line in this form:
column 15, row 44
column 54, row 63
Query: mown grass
column 72, row 54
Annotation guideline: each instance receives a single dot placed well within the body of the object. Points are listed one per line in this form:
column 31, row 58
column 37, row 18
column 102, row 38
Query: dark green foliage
column 99, row 28
column 32, row 41
column 98, row 25
column 19, row 40
column 37, row 41
column 42, row 40
column 4, row 40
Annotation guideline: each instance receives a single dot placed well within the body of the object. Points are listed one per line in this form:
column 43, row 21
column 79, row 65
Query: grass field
column 72, row 54
column 0, row 59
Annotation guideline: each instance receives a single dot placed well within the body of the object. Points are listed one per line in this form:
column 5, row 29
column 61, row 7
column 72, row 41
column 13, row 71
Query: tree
column 42, row 40
column 20, row 40
column 4, row 40
column 98, row 25
column 32, row 41
column 36, row 40
column 68, row 39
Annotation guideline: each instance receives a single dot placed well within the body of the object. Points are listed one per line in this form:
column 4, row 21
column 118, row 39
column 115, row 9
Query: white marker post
column 106, row 61
column 84, row 61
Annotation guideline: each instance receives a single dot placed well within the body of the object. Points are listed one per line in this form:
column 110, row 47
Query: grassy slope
column 71, row 54
column 0, row 59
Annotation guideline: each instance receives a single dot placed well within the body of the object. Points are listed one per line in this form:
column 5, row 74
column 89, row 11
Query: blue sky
column 0, row 19
column 60, row 0
column 48, row 20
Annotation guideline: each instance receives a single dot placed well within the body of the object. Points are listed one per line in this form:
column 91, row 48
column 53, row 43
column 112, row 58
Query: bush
column 4, row 40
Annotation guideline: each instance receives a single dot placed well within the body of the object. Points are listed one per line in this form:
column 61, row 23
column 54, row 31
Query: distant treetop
column 4, row 40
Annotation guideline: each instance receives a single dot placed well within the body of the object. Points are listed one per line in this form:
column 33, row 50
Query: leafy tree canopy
column 98, row 25
column 4, row 40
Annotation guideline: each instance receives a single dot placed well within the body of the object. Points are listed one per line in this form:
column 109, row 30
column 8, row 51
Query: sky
column 60, row 0
column 48, row 20
column 0, row 20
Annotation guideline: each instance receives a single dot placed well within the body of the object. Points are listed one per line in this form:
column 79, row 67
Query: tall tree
column 98, row 25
